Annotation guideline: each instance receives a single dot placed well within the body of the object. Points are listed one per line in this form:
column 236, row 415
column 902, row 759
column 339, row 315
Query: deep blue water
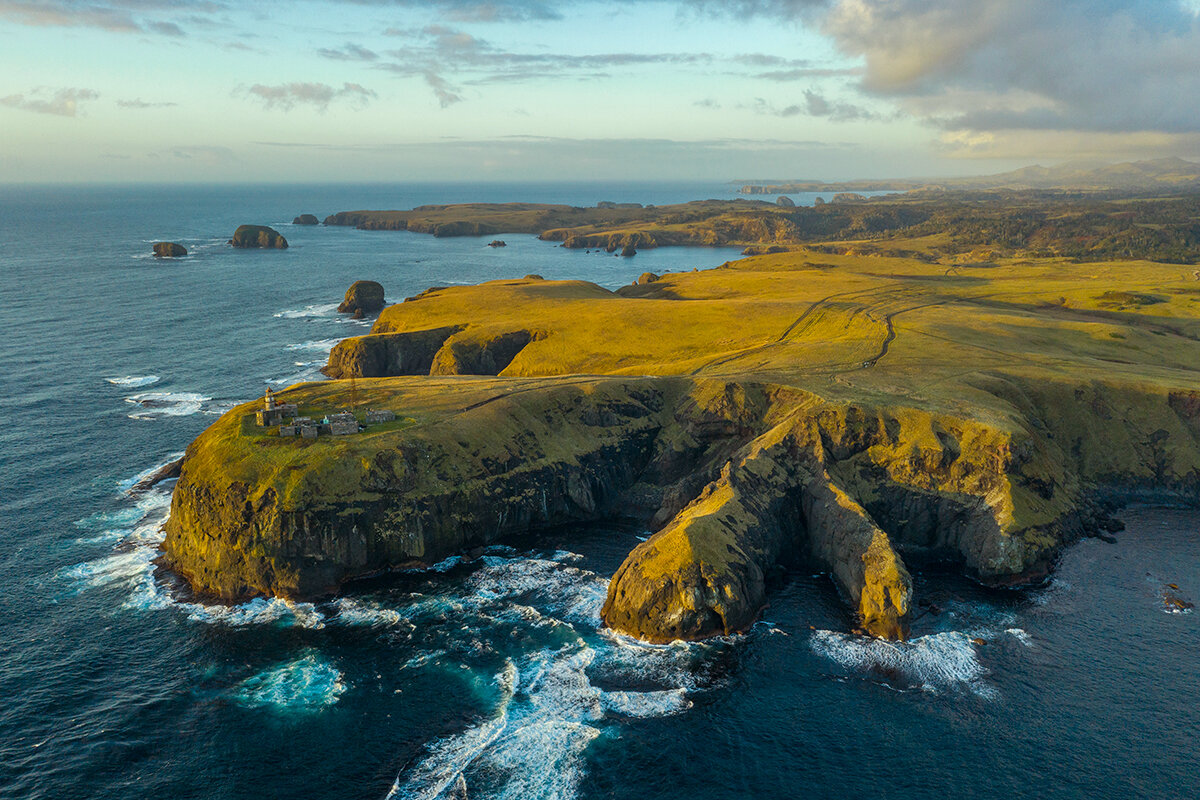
column 114, row 685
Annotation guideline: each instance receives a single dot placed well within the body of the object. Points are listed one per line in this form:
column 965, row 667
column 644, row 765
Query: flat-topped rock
column 258, row 236
column 169, row 250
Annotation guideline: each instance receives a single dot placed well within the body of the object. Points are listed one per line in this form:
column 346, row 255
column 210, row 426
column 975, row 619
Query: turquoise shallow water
column 490, row 674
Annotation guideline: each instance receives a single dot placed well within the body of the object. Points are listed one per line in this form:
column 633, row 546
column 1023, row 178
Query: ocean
column 489, row 678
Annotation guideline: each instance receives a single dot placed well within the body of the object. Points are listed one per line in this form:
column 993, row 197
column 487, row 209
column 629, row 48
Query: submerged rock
column 363, row 297
column 165, row 472
column 251, row 236
column 497, row 243
column 169, row 250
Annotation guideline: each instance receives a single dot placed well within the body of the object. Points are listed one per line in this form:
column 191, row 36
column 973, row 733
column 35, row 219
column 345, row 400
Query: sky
column 399, row 90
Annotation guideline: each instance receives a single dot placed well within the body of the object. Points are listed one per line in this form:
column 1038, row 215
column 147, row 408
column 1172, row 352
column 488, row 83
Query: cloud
column 349, row 52
column 165, row 28
column 287, row 96
column 476, row 11
column 59, row 102
column 1102, row 66
column 807, row 73
column 444, row 56
column 118, row 16
column 816, row 105
column 446, row 94
column 207, row 154
column 139, row 103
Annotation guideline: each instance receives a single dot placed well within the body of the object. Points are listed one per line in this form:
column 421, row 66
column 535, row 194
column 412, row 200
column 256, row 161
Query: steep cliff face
column 437, row 351
column 387, row 354
column 323, row 513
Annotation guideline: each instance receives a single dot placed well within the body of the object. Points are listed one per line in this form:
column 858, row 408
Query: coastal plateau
column 864, row 410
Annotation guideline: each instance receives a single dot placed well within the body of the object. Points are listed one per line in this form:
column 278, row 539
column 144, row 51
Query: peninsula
column 867, row 406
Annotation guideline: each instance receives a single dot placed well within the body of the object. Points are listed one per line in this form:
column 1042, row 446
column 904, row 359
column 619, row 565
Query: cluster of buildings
column 342, row 423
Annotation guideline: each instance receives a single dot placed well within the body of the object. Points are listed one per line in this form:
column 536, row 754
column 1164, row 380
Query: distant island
column 1170, row 174
column 908, row 383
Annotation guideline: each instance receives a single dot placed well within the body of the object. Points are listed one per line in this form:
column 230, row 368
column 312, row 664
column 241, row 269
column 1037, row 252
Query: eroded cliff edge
column 870, row 416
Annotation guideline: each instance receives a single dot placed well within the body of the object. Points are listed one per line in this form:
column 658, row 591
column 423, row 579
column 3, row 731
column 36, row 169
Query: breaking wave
column 153, row 405
column 308, row 683
column 314, row 310
column 134, row 381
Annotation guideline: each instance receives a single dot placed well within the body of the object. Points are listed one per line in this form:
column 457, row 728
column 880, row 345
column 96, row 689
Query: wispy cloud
column 59, row 102
column 207, row 154
column 348, row 52
column 446, row 94
column 118, row 16
column 139, row 103
column 445, row 57
column 287, row 96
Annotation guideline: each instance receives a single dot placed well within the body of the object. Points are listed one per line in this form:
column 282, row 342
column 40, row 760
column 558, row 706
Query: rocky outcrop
column 783, row 201
column 387, row 354
column 480, row 353
column 169, row 250
column 363, row 297
column 438, row 351
column 306, row 219
column 252, row 236
column 497, row 243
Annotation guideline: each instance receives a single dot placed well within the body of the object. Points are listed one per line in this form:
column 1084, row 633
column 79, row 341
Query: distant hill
column 1163, row 173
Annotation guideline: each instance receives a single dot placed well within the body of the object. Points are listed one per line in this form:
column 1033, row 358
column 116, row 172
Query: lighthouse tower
column 272, row 413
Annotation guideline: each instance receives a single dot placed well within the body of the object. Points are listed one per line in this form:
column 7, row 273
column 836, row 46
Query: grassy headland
column 866, row 408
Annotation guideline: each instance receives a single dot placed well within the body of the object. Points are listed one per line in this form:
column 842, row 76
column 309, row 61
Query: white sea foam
column 935, row 663
column 129, row 483
column 314, row 310
column 154, row 405
column 570, row 592
column 319, row 346
column 532, row 745
column 368, row 613
column 309, row 683
column 647, row 704
column 310, row 371
column 1020, row 635
column 134, row 381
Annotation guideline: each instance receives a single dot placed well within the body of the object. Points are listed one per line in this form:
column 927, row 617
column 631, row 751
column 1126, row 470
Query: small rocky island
column 363, row 297
column 865, row 411
column 169, row 250
column 306, row 219
column 258, row 236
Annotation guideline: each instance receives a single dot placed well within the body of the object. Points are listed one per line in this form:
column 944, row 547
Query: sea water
column 490, row 676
